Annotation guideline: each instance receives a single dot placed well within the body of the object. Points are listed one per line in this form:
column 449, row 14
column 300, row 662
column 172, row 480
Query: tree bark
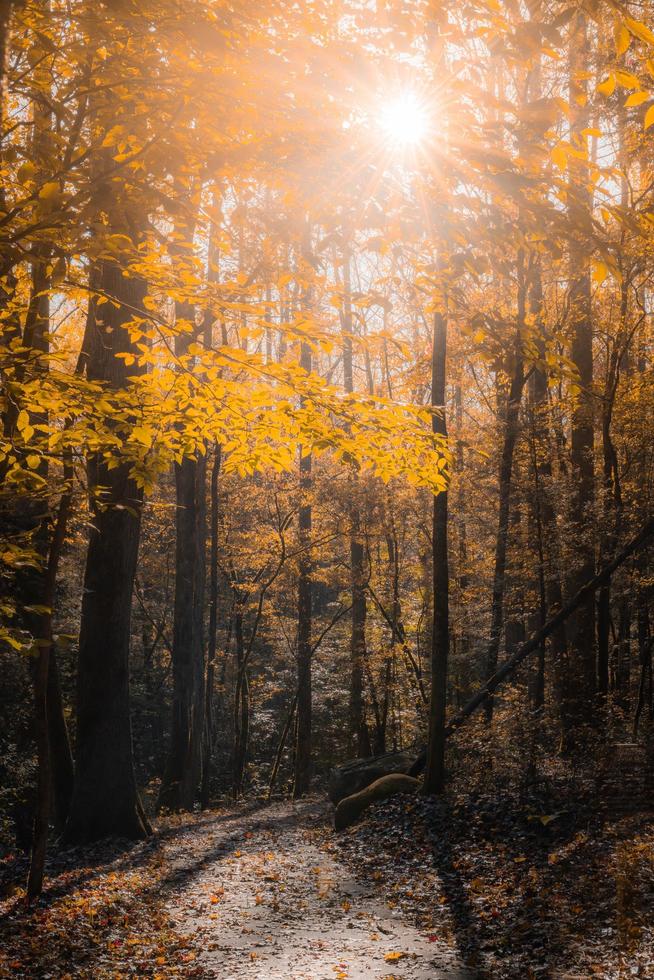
column 440, row 638
column 511, row 420
column 213, row 627
column 241, row 707
column 182, row 781
column 303, row 727
column 581, row 679
column 358, row 736
column 183, row 774
column 305, row 595
column 47, row 771
column 105, row 797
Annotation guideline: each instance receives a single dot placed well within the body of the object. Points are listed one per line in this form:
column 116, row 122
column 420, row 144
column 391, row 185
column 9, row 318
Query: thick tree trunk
column 182, row 781
column 105, row 797
column 440, row 636
column 183, row 775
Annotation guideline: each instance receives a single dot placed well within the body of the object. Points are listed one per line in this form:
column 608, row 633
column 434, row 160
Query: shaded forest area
column 327, row 388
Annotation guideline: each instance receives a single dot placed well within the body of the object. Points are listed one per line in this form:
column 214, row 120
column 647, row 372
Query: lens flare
column 404, row 120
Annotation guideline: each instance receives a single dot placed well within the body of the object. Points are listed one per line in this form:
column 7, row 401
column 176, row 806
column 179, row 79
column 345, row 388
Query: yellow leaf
column 639, row 30
column 113, row 136
column 637, row 98
column 600, row 272
column 627, row 79
column 607, row 87
column 394, row 957
column 559, row 157
column 622, row 39
column 649, row 118
column 142, row 435
column 26, row 171
column 50, row 191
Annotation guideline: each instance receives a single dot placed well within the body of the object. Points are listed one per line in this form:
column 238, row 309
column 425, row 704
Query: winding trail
column 261, row 897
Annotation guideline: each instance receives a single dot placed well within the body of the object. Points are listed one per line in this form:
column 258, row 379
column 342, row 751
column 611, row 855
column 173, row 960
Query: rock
column 359, row 773
column 350, row 809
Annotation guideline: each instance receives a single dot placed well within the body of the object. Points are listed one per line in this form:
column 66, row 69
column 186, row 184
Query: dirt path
column 260, row 896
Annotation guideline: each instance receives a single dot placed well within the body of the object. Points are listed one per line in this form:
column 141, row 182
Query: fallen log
column 535, row 641
column 355, row 775
column 350, row 809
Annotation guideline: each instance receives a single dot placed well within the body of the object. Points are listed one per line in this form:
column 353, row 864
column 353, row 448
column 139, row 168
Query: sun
column 404, row 120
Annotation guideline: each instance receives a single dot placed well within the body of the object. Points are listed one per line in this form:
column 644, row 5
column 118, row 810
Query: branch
column 539, row 637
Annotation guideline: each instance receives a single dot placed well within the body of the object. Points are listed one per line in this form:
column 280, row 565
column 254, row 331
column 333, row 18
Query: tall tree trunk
column 545, row 513
column 6, row 8
column 61, row 753
column 181, row 784
column 241, row 706
column 303, row 726
column 440, row 634
column 213, row 628
column 304, row 613
column 511, row 419
column 48, row 775
column 357, row 735
column 280, row 746
column 183, row 774
column 37, row 327
column 105, row 797
column 612, row 500
column 645, row 640
column 581, row 680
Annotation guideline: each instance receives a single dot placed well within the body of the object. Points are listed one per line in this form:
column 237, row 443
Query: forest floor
column 246, row 892
column 417, row 890
column 524, row 888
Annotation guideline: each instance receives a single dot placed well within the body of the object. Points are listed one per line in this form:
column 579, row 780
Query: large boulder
column 350, row 809
column 359, row 773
